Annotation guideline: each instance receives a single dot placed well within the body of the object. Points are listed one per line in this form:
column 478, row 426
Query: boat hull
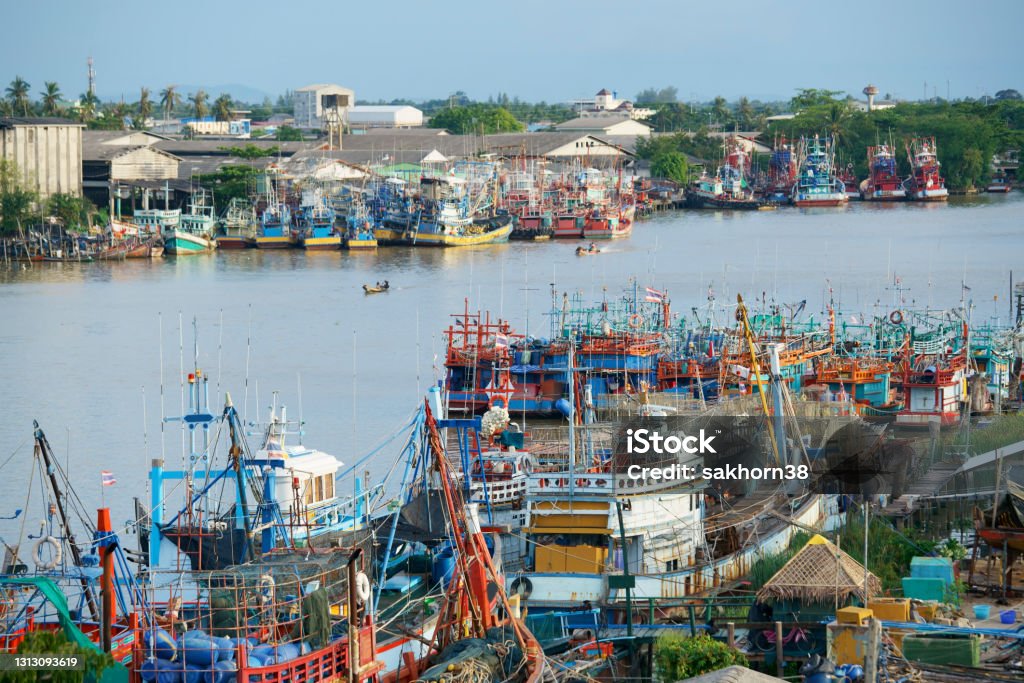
column 831, row 200
column 181, row 243
column 361, row 244
column 940, row 195
column 235, row 242
column 436, row 239
column 331, row 243
column 274, row 242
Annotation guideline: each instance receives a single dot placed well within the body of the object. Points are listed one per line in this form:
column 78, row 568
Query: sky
column 552, row 50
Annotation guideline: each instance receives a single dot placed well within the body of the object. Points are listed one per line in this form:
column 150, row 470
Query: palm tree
column 18, row 92
column 835, row 122
column 720, row 110
column 222, row 108
column 169, row 99
column 51, row 98
column 88, row 103
column 199, row 103
column 745, row 110
column 144, row 109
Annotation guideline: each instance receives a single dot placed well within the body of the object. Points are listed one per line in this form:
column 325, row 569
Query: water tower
column 870, row 91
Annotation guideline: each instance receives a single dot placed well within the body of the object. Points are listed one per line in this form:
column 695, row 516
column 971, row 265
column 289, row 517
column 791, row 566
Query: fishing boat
column 314, row 229
column 453, row 211
column 532, row 223
column 999, row 184
column 934, row 381
column 294, row 489
column 816, row 183
column 155, row 222
column 587, row 251
column 782, row 171
column 359, row 228
column 728, row 188
column 848, row 177
column 883, row 183
column 274, row 230
column 237, row 228
column 925, row 183
column 533, row 217
column 194, row 233
column 377, row 288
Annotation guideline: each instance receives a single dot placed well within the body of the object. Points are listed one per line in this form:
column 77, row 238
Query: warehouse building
column 364, row 116
column 47, row 151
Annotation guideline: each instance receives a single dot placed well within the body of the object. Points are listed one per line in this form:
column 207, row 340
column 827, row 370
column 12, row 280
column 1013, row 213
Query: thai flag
column 655, row 296
column 500, row 341
column 107, row 478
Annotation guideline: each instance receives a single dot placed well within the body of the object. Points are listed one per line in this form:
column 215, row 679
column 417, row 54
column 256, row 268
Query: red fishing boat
column 883, row 183
column 925, row 183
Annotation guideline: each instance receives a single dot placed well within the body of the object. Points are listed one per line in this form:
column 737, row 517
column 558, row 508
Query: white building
column 313, row 103
column 606, row 102
column 384, row 116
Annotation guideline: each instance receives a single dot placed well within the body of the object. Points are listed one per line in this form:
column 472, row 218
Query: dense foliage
column 56, row 644
column 72, row 212
column 476, row 118
column 230, row 182
column 967, row 133
column 16, row 201
column 670, row 164
column 288, row 134
column 678, row 657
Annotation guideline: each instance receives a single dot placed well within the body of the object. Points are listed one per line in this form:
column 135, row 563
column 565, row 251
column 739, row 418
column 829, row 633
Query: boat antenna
column 163, row 411
column 181, row 384
column 248, row 349
column 298, row 382
column 220, row 347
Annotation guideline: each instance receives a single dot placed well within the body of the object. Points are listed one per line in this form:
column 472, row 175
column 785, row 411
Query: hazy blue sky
column 554, row 50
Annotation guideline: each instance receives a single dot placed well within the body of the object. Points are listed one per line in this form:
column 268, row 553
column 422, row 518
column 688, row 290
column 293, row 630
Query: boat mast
column 43, row 451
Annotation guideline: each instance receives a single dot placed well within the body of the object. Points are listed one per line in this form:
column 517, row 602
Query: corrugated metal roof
column 12, row 121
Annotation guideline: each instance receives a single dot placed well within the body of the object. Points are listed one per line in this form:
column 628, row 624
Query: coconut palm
column 199, row 103
column 51, row 98
column 144, row 109
column 836, row 122
column 17, row 91
column 88, row 104
column 222, row 108
column 169, row 99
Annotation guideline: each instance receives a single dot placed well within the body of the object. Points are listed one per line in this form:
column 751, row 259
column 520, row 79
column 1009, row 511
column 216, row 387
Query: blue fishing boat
column 314, row 223
column 816, row 183
column 275, row 222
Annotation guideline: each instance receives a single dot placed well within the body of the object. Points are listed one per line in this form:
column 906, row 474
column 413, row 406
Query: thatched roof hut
column 820, row 573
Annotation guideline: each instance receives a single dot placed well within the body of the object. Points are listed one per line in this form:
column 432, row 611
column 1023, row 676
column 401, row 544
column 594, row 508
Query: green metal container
column 941, row 649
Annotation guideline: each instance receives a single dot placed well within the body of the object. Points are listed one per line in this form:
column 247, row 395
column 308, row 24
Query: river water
column 85, row 348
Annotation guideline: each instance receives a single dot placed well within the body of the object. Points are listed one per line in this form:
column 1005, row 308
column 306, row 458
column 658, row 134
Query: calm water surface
column 81, row 345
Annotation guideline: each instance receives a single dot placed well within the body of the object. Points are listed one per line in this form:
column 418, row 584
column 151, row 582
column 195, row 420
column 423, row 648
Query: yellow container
column 848, row 644
column 891, row 609
column 854, row 615
column 927, row 610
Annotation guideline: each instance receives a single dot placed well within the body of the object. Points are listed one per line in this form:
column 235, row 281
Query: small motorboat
column 587, row 251
column 377, row 288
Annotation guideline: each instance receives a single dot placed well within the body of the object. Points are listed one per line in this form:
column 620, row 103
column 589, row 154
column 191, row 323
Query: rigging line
column 220, row 347
column 28, row 497
column 163, row 411
column 14, row 453
column 181, row 384
column 248, row 349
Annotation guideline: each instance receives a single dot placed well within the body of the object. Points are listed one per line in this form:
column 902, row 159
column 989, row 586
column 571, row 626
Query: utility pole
column 92, row 77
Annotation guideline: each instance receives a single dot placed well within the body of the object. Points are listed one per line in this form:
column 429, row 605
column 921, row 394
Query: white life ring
column 267, row 588
column 56, row 557
column 362, row 587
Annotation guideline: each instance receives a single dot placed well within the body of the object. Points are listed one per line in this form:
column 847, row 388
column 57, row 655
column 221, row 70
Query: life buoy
column 563, row 482
column 499, row 402
column 581, row 483
column 267, row 588
column 896, row 317
column 522, row 587
column 636, row 320
column 57, row 554
column 362, row 587
column 601, row 482
column 542, row 483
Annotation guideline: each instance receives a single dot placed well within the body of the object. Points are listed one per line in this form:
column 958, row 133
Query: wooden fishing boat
column 376, row 289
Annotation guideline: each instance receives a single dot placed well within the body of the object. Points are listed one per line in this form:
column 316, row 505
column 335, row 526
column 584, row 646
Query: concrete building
column 384, row 116
column 315, row 105
column 605, row 125
column 47, row 151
